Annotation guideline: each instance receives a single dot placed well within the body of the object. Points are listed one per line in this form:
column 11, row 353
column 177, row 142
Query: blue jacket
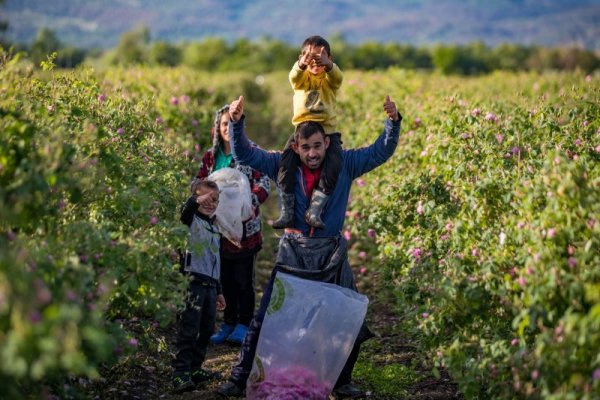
column 356, row 162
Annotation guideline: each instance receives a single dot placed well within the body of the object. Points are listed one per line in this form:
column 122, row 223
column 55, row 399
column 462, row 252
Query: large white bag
column 235, row 203
column 306, row 337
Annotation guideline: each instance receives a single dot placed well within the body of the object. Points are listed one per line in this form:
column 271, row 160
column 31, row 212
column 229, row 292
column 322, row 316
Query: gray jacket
column 203, row 245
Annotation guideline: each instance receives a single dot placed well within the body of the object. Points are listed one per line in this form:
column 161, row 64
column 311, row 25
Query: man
column 318, row 254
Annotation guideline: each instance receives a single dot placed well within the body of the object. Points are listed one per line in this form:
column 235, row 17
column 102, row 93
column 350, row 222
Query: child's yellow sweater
column 315, row 96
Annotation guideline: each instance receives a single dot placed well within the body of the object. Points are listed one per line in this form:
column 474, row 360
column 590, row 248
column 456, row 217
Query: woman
column 237, row 263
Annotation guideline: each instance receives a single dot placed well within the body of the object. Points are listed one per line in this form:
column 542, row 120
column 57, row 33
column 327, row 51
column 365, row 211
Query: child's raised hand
column 305, row 58
column 390, row 108
column 236, row 109
column 322, row 59
column 207, row 199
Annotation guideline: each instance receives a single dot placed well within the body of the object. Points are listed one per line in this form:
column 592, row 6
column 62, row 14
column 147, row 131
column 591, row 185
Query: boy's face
column 208, row 200
column 315, row 53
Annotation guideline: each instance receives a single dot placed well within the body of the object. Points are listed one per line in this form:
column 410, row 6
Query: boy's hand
column 323, row 60
column 236, row 109
column 205, row 199
column 390, row 108
column 304, row 59
column 221, row 302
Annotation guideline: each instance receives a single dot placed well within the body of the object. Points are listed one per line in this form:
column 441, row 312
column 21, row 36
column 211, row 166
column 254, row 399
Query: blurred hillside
column 85, row 24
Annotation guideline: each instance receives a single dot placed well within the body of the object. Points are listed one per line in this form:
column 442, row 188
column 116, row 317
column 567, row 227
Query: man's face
column 312, row 150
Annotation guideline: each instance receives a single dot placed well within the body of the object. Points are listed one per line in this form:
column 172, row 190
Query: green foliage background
column 486, row 220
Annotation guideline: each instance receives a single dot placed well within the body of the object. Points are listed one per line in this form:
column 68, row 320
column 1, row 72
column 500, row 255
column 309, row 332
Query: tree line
column 267, row 55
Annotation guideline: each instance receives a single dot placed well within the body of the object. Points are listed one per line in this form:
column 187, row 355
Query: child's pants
column 196, row 325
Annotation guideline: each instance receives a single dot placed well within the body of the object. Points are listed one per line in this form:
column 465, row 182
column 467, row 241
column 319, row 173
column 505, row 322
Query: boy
column 204, row 298
column 316, row 81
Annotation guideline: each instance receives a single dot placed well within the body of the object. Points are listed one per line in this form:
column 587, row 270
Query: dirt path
column 147, row 375
column 389, row 367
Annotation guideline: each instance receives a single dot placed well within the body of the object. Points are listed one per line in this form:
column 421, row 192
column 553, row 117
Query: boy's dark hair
column 306, row 129
column 198, row 183
column 317, row 41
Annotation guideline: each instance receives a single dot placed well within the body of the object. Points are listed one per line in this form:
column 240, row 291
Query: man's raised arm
column 243, row 150
column 363, row 160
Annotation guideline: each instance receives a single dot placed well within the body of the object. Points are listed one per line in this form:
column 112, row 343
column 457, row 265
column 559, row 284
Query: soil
column 147, row 374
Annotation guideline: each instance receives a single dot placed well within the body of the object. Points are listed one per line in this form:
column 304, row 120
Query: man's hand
column 390, row 108
column 236, row 109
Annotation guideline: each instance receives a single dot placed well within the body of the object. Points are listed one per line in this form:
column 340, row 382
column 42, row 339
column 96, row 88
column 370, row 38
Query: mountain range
column 99, row 23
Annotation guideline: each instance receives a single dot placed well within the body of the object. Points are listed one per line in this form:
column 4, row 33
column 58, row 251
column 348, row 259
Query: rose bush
column 93, row 170
column 487, row 221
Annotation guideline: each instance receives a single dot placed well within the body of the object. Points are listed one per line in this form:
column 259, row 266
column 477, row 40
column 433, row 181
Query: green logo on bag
column 259, row 376
column 278, row 296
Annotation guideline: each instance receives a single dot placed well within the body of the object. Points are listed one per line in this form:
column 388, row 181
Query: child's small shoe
column 317, row 204
column 202, row 375
column 224, row 331
column 183, row 383
column 286, row 220
column 238, row 334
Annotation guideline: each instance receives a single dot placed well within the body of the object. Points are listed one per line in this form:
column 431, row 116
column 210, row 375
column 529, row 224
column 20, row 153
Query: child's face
column 208, row 200
column 315, row 53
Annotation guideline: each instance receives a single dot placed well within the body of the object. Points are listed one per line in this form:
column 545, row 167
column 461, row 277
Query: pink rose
column 420, row 210
column 491, row 117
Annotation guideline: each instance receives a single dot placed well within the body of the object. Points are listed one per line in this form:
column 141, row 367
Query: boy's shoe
column 202, row 375
column 238, row 334
column 230, row 389
column 224, row 331
column 313, row 214
column 183, row 383
column 348, row 391
column 286, row 220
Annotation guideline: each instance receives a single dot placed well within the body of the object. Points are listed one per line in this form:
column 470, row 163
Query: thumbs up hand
column 236, row 109
column 390, row 108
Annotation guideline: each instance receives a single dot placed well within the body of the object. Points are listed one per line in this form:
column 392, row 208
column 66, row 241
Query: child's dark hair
column 306, row 129
column 198, row 183
column 317, row 41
